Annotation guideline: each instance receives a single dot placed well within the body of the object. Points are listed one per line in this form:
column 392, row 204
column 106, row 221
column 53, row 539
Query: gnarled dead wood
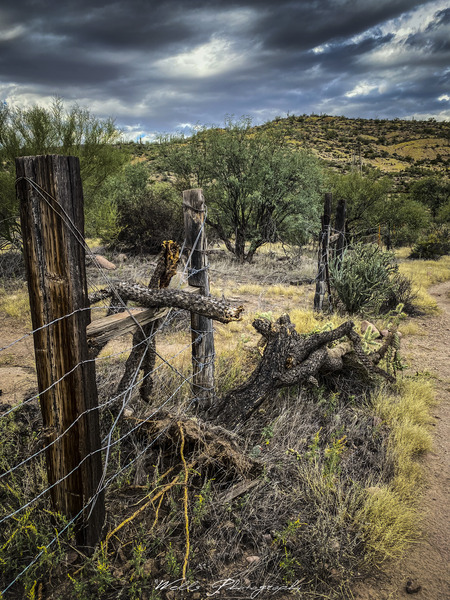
column 290, row 359
column 143, row 353
column 211, row 445
column 216, row 309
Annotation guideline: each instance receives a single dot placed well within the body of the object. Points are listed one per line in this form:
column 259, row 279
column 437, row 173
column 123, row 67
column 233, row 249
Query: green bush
column 367, row 280
column 147, row 213
column 434, row 245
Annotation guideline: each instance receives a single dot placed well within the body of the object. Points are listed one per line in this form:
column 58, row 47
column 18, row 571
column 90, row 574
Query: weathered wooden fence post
column 323, row 276
column 51, row 211
column 202, row 327
column 339, row 225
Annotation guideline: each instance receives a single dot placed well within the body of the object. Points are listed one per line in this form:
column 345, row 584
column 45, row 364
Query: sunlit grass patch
column 427, row 272
column 308, row 320
column 286, row 291
column 389, row 518
column 410, row 327
column 16, row 304
column 93, row 242
column 403, row 252
column 423, row 274
column 408, row 416
column 388, row 525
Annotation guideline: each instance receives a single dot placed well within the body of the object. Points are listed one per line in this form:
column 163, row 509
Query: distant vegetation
column 261, row 183
column 394, row 175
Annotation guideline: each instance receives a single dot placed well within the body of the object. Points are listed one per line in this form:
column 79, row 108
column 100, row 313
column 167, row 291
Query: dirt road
column 428, row 563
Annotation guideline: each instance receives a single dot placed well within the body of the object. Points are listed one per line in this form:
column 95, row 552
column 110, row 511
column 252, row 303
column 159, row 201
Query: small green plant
column 283, row 538
column 80, row 588
column 288, row 565
column 201, row 504
column 139, row 577
column 173, row 566
column 102, row 577
column 333, row 455
column 267, row 434
column 313, row 451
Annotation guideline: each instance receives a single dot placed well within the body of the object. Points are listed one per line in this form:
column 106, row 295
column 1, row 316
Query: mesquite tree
column 257, row 187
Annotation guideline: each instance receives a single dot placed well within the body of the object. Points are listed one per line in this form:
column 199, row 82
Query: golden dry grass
column 423, row 274
column 389, row 517
column 16, row 304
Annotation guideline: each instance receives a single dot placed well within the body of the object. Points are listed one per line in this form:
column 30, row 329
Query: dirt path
column 428, row 563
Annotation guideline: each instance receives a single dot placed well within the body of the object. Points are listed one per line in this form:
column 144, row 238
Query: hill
column 406, row 150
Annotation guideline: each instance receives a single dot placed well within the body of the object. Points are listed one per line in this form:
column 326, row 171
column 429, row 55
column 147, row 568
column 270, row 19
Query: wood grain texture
column 55, row 264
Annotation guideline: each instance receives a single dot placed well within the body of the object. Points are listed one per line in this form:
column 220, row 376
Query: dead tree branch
column 216, row 309
column 291, row 359
column 143, row 353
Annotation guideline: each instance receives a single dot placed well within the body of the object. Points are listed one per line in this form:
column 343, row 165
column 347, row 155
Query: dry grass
column 389, row 517
column 16, row 304
column 423, row 274
column 339, row 475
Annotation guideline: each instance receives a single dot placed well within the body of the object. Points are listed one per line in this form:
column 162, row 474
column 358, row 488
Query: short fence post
column 323, row 276
column 51, row 210
column 194, row 209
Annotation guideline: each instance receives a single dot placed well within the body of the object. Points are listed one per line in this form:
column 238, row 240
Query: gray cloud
column 156, row 65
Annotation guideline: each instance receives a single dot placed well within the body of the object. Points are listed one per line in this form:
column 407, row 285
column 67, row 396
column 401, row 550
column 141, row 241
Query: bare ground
column 427, row 563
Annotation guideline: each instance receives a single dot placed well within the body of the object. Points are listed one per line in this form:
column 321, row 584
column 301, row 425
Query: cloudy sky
column 160, row 66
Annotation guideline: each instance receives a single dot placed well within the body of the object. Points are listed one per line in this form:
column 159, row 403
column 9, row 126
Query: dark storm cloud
column 307, row 24
column 436, row 37
column 156, row 65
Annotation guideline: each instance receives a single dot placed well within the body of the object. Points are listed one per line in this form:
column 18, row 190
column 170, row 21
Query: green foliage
column 257, row 188
column 432, row 192
column 433, row 245
column 443, row 216
column 405, row 218
column 139, row 577
column 368, row 280
column 202, row 500
column 333, row 456
column 56, row 130
column 145, row 214
column 366, row 197
column 172, row 564
column 285, row 538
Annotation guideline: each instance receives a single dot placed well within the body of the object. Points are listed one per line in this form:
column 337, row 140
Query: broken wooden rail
column 107, row 328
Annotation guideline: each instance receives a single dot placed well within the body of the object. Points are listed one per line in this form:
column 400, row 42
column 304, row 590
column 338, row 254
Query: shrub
column 367, row 280
column 142, row 214
column 434, row 245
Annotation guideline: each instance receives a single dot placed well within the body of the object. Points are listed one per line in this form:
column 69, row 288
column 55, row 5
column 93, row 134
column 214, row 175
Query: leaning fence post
column 51, row 211
column 194, row 209
column 323, row 276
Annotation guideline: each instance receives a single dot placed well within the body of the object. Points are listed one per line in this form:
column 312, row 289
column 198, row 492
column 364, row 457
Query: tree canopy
column 257, row 188
column 433, row 192
column 54, row 130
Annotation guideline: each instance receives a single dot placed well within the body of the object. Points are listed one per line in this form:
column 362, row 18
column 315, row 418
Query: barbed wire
column 108, row 442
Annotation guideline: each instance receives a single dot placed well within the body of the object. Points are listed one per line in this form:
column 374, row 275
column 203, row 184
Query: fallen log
column 291, row 359
column 214, row 308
